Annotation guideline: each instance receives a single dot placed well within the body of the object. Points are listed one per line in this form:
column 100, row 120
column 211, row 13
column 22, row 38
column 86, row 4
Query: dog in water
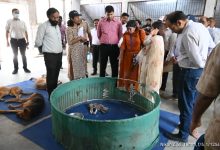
column 28, row 107
column 41, row 83
column 13, row 91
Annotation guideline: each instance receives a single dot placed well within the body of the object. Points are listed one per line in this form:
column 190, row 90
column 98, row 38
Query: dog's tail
column 8, row 111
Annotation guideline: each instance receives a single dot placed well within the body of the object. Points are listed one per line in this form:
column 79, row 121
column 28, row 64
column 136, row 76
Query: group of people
column 137, row 54
column 188, row 46
column 197, row 86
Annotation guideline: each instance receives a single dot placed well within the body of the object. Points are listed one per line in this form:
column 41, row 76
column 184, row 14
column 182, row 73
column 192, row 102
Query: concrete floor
column 9, row 130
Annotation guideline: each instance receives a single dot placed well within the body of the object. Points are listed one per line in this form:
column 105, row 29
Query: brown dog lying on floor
column 31, row 106
column 13, row 91
column 41, row 83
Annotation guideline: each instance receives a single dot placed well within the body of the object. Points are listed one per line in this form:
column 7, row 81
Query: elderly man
column 192, row 58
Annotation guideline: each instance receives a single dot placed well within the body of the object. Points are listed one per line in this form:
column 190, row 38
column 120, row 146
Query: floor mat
column 168, row 122
column 41, row 133
column 27, row 87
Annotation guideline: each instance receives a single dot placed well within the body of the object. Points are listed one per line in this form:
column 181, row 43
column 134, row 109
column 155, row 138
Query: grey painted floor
column 9, row 130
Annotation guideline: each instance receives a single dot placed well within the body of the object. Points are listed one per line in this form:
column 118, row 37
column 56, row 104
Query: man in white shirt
column 169, row 41
column 124, row 19
column 172, row 56
column 17, row 31
column 95, row 47
column 215, row 32
column 49, row 37
column 204, row 20
column 192, row 58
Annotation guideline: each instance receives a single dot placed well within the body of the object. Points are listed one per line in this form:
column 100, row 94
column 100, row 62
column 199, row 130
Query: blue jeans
column 187, row 95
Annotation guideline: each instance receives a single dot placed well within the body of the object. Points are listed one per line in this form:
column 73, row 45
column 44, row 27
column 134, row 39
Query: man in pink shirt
column 109, row 32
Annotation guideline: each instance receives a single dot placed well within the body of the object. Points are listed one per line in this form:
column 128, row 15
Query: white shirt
column 95, row 39
column 124, row 28
column 194, row 46
column 166, row 37
column 215, row 34
column 175, row 51
column 16, row 28
column 49, row 37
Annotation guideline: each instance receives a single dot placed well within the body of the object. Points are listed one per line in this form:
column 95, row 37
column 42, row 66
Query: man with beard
column 49, row 37
column 147, row 26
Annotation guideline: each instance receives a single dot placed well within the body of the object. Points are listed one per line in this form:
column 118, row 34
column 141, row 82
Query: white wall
column 76, row 5
column 124, row 2
column 209, row 8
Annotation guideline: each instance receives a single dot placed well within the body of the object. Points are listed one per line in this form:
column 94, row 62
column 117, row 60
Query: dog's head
column 15, row 90
column 25, row 114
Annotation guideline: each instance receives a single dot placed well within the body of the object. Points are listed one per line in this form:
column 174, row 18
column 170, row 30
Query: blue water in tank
column 116, row 110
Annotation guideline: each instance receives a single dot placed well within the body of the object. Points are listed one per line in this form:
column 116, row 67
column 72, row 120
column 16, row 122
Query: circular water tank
column 78, row 133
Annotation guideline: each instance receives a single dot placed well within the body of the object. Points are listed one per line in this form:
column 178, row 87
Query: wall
column 76, row 5
column 124, row 2
column 209, row 8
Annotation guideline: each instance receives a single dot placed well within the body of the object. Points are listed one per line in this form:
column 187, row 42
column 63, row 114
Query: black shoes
column 27, row 70
column 15, row 71
column 176, row 137
column 94, row 73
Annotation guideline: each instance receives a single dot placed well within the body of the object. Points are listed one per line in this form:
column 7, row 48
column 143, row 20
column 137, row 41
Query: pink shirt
column 109, row 32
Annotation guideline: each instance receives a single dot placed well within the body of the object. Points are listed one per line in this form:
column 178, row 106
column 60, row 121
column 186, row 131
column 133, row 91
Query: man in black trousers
column 95, row 47
column 49, row 37
column 17, row 31
column 109, row 32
